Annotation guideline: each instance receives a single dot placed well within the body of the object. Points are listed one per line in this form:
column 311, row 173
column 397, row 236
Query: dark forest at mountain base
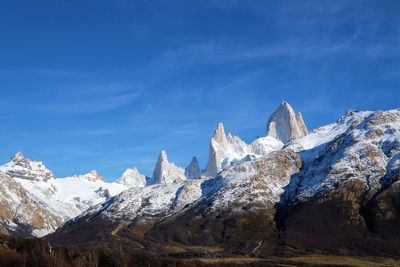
column 15, row 252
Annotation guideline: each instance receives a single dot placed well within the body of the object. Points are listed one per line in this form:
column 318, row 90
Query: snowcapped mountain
column 334, row 186
column 225, row 150
column 326, row 189
column 21, row 213
column 362, row 146
column 58, row 200
column 20, row 167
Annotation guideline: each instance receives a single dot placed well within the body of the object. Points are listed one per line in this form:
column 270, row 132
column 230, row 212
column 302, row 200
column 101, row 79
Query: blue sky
column 106, row 84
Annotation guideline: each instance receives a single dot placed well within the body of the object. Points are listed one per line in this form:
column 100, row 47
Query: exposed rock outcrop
column 166, row 172
column 284, row 124
column 21, row 167
column 218, row 145
column 92, row 176
column 21, row 213
column 193, row 171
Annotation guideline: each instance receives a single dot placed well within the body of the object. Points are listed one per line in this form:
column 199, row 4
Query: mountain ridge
column 340, row 178
column 253, row 199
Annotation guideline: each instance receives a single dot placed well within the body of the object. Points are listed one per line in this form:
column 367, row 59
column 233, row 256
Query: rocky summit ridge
column 23, row 168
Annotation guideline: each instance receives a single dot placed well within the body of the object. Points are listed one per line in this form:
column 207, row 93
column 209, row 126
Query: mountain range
column 334, row 189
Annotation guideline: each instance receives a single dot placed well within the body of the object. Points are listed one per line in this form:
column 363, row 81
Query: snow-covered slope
column 149, row 201
column 225, row 150
column 132, row 178
column 68, row 197
column 327, row 133
column 23, row 214
column 62, row 198
column 341, row 179
column 362, row 146
column 261, row 180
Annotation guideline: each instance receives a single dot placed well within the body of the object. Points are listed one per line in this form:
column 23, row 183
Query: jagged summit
column 21, row 167
column 166, row 172
column 225, row 150
column 193, row 171
column 17, row 156
column 218, row 143
column 92, row 176
column 284, row 124
column 40, row 201
column 163, row 156
column 132, row 178
column 219, row 134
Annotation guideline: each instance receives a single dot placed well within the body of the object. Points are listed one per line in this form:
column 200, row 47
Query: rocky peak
column 219, row 135
column 21, row 167
column 92, row 176
column 166, row 172
column 284, row 124
column 193, row 170
column 132, row 178
column 223, row 149
column 218, row 143
column 18, row 156
column 163, row 156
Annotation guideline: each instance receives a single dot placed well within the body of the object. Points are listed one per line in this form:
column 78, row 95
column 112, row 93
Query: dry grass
column 140, row 230
column 319, row 260
column 117, row 229
column 239, row 260
column 347, row 260
column 179, row 248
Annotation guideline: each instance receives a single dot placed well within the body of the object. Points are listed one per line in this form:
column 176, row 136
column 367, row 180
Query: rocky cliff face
column 166, row 172
column 284, row 124
column 23, row 168
column 193, row 171
column 218, row 145
column 22, row 214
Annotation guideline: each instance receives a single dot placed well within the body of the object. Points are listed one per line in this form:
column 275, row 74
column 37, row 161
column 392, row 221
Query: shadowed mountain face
column 334, row 190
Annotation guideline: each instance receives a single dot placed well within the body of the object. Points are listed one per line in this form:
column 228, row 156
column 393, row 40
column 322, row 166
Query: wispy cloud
column 91, row 132
column 68, row 150
column 91, row 105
